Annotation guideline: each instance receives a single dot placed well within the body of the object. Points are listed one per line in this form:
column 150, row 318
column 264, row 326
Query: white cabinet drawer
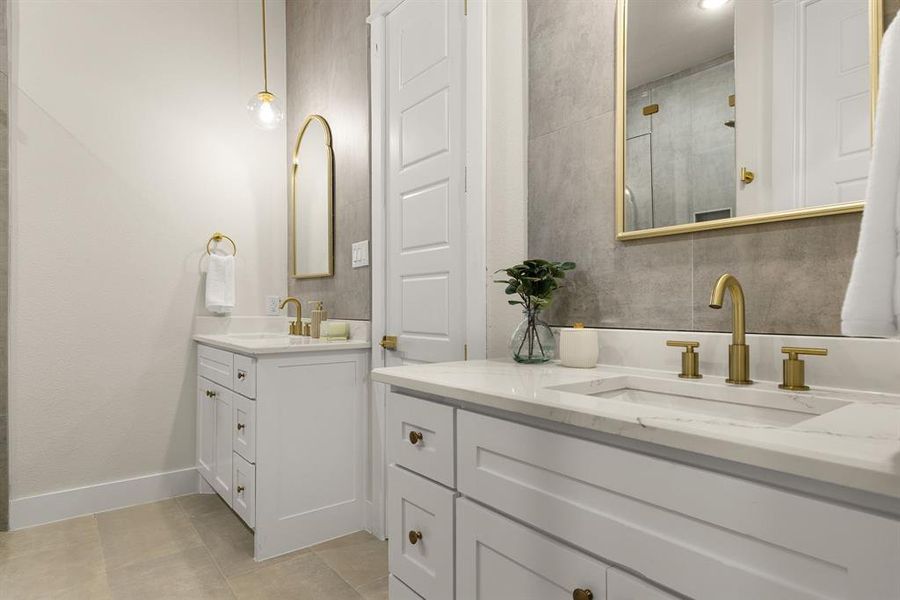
column 499, row 558
column 244, row 376
column 622, row 586
column 243, row 436
column 215, row 365
column 244, row 497
column 421, row 437
column 700, row 533
column 420, row 533
column 397, row 590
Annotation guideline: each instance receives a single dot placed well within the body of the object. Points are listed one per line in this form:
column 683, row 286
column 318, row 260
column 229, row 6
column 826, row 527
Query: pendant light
column 263, row 107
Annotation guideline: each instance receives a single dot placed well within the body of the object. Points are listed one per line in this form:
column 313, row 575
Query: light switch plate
column 360, row 254
column 272, row 303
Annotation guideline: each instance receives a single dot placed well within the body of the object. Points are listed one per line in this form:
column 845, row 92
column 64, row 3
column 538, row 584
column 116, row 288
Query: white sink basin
column 746, row 403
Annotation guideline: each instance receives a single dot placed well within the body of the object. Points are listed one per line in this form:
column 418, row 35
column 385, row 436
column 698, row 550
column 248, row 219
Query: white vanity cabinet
column 545, row 515
column 281, row 438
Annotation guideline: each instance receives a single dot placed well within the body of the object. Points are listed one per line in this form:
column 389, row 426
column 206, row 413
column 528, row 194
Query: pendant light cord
column 265, row 60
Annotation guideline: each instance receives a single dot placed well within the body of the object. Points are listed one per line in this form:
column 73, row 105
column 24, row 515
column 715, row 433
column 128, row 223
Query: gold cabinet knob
column 242, row 374
column 389, row 342
column 747, row 176
column 582, row 594
column 794, row 375
column 414, row 537
column 240, row 489
column 690, row 360
column 240, row 426
column 415, row 437
column 210, row 394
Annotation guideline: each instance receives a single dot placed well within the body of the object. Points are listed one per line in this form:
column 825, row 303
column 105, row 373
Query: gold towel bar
column 218, row 237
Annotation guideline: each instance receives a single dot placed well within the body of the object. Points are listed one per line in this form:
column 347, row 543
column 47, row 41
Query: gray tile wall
column 794, row 273
column 328, row 74
column 4, row 264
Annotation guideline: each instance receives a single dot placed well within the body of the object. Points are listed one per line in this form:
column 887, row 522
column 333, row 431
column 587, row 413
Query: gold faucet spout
column 738, row 351
column 296, row 328
column 738, row 312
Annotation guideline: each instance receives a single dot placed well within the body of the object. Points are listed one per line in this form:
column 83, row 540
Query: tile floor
column 191, row 548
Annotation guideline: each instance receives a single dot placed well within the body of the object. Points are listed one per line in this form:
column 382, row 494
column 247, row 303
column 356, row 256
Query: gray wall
column 794, row 273
column 4, row 264
column 328, row 74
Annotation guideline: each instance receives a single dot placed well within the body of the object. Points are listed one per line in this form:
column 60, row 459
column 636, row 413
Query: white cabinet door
column 499, row 558
column 222, row 474
column 244, row 498
column 420, row 530
column 206, row 429
column 622, row 586
column 244, row 432
column 426, row 243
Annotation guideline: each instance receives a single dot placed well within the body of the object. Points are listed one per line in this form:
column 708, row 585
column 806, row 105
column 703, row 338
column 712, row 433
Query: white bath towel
column 220, row 284
column 872, row 304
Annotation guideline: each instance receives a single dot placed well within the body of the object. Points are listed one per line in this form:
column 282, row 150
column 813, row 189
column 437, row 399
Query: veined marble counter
column 272, row 343
column 855, row 446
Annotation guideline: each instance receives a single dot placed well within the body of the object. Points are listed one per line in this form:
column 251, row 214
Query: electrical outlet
column 360, row 254
column 272, row 303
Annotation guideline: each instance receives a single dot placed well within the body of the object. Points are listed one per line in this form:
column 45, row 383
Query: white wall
column 129, row 146
column 507, row 162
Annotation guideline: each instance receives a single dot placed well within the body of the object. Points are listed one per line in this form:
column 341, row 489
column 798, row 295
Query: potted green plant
column 534, row 282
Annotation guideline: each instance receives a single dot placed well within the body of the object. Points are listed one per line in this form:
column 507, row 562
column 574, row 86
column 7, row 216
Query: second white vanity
column 540, row 482
column 281, row 430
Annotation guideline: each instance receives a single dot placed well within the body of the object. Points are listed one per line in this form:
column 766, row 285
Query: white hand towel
column 220, row 284
column 872, row 304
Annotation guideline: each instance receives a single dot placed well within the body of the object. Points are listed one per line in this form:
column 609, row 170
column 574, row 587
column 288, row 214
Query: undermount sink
column 749, row 404
column 274, row 339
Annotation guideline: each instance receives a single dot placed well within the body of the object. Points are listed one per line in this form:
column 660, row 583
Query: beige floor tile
column 198, row 505
column 187, row 575
column 62, row 572
column 145, row 532
column 71, row 533
column 228, row 540
column 359, row 558
column 374, row 591
column 304, row 577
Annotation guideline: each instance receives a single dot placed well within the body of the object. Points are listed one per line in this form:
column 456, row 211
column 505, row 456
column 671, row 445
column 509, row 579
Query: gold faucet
column 296, row 327
column 738, row 351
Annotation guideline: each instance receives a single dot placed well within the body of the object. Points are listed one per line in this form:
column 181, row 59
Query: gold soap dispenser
column 318, row 315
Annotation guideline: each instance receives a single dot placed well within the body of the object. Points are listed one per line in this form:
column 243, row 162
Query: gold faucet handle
column 794, row 375
column 690, row 360
column 794, row 351
column 679, row 344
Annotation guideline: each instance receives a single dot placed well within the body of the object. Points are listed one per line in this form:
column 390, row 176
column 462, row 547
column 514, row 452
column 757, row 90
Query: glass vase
column 532, row 341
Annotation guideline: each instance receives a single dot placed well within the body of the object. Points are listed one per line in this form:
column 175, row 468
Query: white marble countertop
column 856, row 445
column 254, row 344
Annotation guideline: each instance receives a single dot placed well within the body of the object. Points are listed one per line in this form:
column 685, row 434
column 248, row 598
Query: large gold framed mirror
column 736, row 112
column 312, row 201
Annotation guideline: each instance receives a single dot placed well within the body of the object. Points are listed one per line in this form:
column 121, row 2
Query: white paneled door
column 837, row 101
column 425, row 182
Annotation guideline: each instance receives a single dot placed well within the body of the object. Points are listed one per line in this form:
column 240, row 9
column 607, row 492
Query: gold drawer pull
column 240, row 426
column 210, row 394
column 242, row 374
column 414, row 537
column 580, row 594
column 240, row 489
column 415, row 437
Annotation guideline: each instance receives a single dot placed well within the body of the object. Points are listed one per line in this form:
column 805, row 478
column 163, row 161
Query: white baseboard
column 65, row 504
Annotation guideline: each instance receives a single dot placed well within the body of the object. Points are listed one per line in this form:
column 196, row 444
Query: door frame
column 474, row 220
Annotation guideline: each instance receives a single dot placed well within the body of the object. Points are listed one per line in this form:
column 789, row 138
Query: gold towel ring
column 218, row 237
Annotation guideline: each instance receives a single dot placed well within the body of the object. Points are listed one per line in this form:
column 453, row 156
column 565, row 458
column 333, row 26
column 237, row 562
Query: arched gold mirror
column 312, row 201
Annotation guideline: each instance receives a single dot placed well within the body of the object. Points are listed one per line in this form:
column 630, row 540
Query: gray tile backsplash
column 328, row 74
column 794, row 273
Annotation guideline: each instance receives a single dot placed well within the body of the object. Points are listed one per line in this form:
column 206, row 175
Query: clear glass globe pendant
column 264, row 110
column 263, row 107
